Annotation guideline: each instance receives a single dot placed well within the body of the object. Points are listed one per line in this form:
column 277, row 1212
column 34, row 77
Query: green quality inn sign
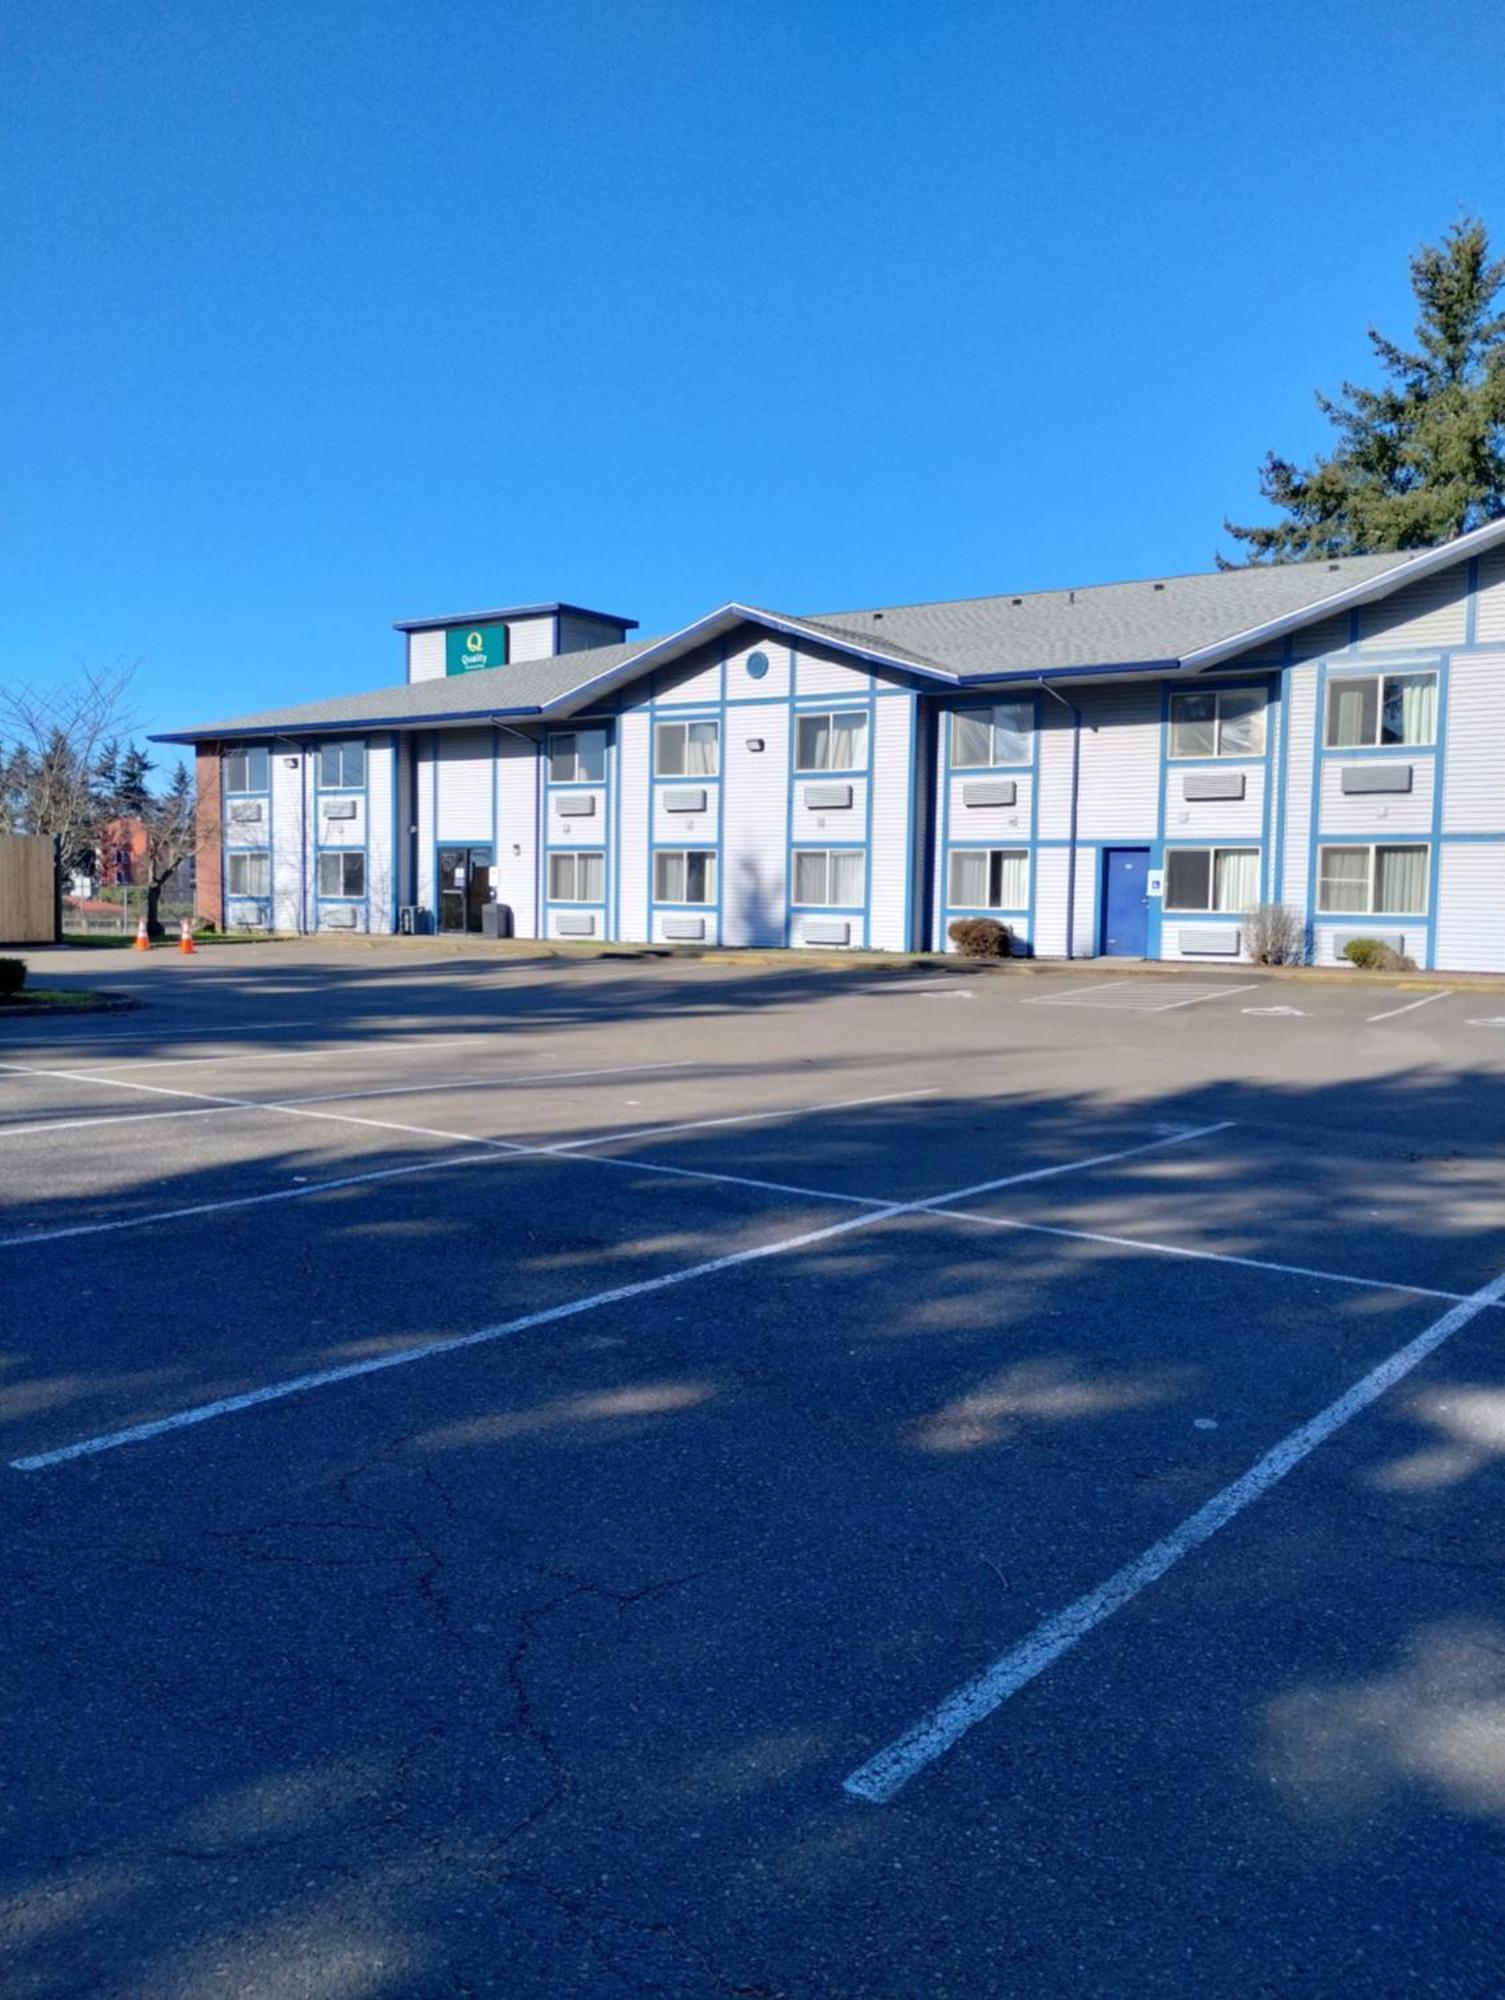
column 468, row 648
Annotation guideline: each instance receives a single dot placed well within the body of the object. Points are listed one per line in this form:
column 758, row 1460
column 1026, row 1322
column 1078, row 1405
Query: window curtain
column 1343, row 885
column 592, row 878
column 700, row 750
column 1410, row 708
column 1400, row 880
column 848, row 742
column 810, row 877
column 969, row 880
column 1237, row 878
column 846, row 879
column 1350, row 714
column 1012, row 871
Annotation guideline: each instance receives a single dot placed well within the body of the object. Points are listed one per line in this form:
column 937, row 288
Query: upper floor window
column 1365, row 711
column 578, row 757
column 1218, row 722
column 831, row 741
column 998, row 734
column 342, row 765
column 246, row 768
column 686, row 749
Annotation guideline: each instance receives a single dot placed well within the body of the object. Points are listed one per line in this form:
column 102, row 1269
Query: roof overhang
column 502, row 612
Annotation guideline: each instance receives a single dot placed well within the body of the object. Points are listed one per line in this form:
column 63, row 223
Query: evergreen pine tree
column 1421, row 458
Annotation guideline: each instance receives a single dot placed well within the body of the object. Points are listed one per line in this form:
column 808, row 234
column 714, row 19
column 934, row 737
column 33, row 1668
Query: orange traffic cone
column 143, row 942
column 185, row 941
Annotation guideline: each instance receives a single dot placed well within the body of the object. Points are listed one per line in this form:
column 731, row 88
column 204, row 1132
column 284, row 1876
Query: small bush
column 12, row 977
column 981, row 937
column 1275, row 934
column 1374, row 955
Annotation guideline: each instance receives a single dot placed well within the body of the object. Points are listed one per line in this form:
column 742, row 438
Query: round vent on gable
column 757, row 666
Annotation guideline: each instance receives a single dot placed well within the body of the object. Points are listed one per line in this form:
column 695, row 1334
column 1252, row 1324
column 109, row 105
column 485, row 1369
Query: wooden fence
column 28, row 889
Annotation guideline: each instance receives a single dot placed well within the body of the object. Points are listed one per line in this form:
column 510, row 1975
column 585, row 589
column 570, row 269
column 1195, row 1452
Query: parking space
column 671, row 1479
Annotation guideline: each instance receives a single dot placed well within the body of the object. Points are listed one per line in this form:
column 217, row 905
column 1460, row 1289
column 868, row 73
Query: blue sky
column 320, row 315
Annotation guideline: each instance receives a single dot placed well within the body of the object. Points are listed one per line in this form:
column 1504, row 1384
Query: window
column 831, row 742
column 998, row 734
column 342, row 874
column 1372, row 881
column 246, row 770
column 577, row 878
column 247, row 874
column 686, row 749
column 1218, row 722
column 1211, row 878
column 989, row 878
column 684, row 875
column 578, row 757
column 342, row 765
column 831, row 876
column 1376, row 709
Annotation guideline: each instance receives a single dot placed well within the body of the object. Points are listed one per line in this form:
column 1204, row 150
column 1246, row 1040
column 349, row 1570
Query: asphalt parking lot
column 526, row 1477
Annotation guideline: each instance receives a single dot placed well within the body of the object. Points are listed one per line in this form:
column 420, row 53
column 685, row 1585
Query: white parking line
column 1222, row 993
column 381, row 1048
column 376, row 1364
column 1410, row 1007
column 739, row 1118
column 1054, row 999
column 882, row 1776
column 495, row 1080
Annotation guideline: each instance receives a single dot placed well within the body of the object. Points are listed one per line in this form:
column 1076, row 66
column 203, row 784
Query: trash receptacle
column 496, row 920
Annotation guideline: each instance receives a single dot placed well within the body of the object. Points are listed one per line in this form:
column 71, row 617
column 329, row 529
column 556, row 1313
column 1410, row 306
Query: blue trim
column 1471, row 605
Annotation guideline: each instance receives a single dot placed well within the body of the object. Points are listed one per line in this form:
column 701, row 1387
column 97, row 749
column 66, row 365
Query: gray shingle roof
column 1163, row 618
column 527, row 685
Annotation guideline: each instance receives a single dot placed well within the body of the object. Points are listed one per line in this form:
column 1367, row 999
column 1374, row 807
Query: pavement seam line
column 882, row 1776
column 401, row 1357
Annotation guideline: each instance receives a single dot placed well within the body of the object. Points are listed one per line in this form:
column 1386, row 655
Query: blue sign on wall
column 468, row 648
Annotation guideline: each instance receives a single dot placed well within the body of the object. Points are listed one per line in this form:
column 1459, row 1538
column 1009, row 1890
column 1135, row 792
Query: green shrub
column 12, row 977
column 1374, row 955
column 981, row 937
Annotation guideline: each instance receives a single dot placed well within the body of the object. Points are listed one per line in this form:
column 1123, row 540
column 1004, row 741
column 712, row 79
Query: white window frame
column 339, row 750
column 992, row 855
column 825, row 902
column 247, row 751
column 343, row 855
column 1217, row 754
column 1373, row 849
column 682, row 855
column 1212, row 850
column 1339, row 681
column 575, row 855
column 245, row 855
column 829, row 715
column 689, row 722
column 572, row 737
column 991, row 709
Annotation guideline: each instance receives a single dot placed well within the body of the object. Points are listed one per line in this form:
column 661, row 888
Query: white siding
column 1214, row 819
column 579, row 829
column 246, row 831
column 466, row 782
column 1050, row 902
column 291, row 826
column 381, row 862
column 888, row 892
column 1316, row 642
column 530, row 638
column 516, row 871
column 336, row 829
column 740, row 684
column 1471, row 907
column 1489, row 623
column 1376, row 815
column 426, row 656
column 698, row 679
column 1473, row 793
column 1300, row 723
column 826, row 673
column 633, row 737
column 1009, row 825
column 810, row 825
column 1119, row 794
column 1429, row 613
column 426, row 889
column 753, row 849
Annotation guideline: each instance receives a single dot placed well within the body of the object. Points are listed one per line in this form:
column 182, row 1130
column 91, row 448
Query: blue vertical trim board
column 867, row 832
column 913, row 764
column 434, row 826
column 943, row 821
column 1034, row 815
column 1154, row 943
column 1439, row 777
column 723, row 738
column 320, row 847
column 1273, row 717
column 1319, row 732
column 789, row 802
column 1471, row 605
column 394, row 865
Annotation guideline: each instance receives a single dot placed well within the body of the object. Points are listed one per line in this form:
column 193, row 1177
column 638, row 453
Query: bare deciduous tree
column 57, row 738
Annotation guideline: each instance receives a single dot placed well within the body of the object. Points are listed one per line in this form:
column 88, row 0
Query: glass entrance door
column 464, row 887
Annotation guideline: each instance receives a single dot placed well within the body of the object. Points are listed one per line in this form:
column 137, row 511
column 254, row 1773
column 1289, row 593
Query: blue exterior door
column 1126, row 902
